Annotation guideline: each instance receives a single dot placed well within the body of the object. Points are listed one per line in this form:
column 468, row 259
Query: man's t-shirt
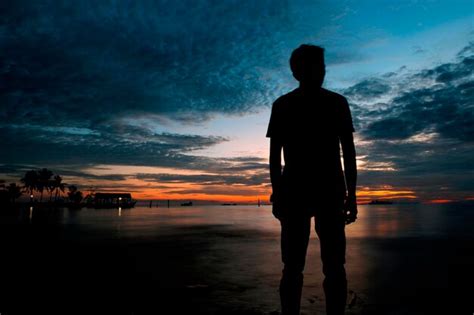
column 309, row 127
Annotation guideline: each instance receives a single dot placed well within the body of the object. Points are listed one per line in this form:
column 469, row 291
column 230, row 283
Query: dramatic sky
column 171, row 99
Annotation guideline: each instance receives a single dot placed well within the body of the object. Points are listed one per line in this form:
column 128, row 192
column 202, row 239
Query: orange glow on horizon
column 367, row 194
column 203, row 197
column 214, row 192
column 440, row 201
column 363, row 196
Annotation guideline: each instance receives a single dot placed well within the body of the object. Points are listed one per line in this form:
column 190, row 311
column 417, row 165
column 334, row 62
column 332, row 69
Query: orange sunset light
column 180, row 189
column 366, row 194
column 439, row 201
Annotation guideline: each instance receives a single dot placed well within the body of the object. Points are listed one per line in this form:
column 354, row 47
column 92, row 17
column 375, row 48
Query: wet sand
column 220, row 269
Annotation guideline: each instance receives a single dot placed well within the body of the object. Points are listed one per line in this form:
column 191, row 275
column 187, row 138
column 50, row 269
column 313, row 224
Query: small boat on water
column 111, row 200
column 187, row 204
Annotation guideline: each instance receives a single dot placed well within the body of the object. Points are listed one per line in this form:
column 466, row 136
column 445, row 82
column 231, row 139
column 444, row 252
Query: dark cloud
column 246, row 159
column 209, row 179
column 445, row 108
column 450, row 72
column 83, row 175
column 430, row 168
column 239, row 171
column 119, row 145
column 435, row 100
column 367, row 89
column 219, row 190
column 81, row 63
column 393, row 128
column 423, row 133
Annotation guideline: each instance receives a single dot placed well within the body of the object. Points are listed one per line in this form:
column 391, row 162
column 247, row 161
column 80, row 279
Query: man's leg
column 330, row 227
column 294, row 243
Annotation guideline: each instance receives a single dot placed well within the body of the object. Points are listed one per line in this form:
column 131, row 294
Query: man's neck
column 310, row 90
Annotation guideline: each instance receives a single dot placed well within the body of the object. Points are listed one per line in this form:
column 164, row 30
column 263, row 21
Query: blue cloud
column 424, row 129
column 82, row 62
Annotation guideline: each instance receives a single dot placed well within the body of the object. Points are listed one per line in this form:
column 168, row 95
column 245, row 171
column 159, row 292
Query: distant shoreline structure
column 380, row 202
column 111, row 200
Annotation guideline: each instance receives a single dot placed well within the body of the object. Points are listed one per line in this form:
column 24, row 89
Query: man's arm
column 350, row 173
column 275, row 166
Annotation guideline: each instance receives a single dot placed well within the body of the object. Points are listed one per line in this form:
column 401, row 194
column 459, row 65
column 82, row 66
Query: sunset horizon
column 365, row 195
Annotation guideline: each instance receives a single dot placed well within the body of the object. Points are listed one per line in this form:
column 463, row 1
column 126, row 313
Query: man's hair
column 304, row 55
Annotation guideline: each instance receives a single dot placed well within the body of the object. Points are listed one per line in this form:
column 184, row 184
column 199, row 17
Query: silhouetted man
column 309, row 124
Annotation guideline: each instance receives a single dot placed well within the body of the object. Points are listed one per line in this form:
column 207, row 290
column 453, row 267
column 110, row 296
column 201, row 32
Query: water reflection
column 374, row 221
column 411, row 220
column 240, row 247
column 383, row 221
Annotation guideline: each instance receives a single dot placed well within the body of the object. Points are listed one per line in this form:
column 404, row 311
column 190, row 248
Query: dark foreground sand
column 215, row 269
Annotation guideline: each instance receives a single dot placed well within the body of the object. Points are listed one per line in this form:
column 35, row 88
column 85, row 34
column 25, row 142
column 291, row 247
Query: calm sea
column 400, row 258
column 374, row 221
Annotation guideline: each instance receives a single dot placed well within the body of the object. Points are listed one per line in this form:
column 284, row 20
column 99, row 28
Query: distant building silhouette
column 113, row 200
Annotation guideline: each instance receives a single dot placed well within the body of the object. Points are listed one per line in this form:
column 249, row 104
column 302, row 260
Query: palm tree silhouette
column 58, row 185
column 14, row 192
column 74, row 194
column 30, row 181
column 44, row 177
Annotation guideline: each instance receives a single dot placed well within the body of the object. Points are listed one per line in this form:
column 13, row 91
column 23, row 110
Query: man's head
column 307, row 65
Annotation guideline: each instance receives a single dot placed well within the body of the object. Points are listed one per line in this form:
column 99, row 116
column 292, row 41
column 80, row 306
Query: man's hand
column 350, row 209
column 276, row 207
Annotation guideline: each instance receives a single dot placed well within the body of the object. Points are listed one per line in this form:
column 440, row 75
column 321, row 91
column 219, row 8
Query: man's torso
column 309, row 127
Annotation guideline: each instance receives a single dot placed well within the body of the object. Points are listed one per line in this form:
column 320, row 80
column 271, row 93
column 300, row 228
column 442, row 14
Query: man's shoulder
column 294, row 96
column 334, row 96
column 285, row 99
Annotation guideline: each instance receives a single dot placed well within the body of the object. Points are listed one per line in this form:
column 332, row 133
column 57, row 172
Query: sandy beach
column 226, row 261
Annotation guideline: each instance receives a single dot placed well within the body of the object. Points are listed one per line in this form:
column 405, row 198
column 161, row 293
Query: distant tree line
column 39, row 181
column 9, row 193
